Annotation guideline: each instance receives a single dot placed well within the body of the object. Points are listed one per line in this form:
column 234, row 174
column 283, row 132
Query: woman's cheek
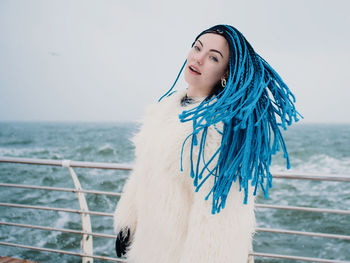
column 215, row 76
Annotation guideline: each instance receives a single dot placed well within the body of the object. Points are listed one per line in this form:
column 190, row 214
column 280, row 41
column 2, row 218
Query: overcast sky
column 104, row 60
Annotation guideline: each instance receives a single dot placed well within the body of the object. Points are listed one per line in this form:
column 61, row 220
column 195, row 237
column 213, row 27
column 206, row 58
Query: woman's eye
column 196, row 48
column 214, row 58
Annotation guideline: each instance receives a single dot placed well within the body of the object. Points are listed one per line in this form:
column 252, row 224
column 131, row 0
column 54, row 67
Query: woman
column 182, row 201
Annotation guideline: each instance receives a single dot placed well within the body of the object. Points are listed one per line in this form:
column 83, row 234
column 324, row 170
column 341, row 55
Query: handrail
column 77, row 164
column 73, row 190
column 128, row 167
column 62, row 252
column 302, row 233
column 65, row 230
column 314, row 177
column 305, row 209
column 297, row 208
column 258, row 229
column 57, row 209
column 309, row 259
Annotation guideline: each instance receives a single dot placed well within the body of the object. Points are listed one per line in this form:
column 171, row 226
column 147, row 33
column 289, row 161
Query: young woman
column 201, row 155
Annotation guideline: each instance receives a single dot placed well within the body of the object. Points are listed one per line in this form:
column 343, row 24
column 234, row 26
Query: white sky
column 104, row 60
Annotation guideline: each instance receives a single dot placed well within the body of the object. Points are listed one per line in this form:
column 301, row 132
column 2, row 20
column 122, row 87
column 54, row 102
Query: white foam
column 28, row 152
column 106, row 148
column 62, row 220
column 320, row 163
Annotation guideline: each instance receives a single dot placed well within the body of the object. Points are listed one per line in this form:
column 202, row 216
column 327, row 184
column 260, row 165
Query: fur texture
column 169, row 221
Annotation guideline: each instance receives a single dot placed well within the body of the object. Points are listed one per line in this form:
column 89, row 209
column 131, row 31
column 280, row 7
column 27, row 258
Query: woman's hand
column 122, row 242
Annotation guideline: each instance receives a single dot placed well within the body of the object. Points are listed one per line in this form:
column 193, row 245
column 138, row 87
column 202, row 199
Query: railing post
column 86, row 241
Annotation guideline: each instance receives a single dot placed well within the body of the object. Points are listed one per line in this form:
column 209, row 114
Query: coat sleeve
column 125, row 215
column 223, row 237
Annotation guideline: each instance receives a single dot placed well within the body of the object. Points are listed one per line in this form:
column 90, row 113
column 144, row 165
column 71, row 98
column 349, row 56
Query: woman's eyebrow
column 214, row 50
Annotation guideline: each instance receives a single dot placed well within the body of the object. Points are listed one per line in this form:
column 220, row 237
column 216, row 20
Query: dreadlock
column 251, row 107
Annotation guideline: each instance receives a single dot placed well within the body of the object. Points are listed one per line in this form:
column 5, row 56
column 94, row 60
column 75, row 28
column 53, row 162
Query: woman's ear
column 226, row 74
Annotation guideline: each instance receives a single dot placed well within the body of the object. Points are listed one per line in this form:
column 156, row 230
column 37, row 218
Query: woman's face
column 206, row 64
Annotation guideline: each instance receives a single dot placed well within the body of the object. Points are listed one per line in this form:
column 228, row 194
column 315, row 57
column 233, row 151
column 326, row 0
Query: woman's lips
column 194, row 70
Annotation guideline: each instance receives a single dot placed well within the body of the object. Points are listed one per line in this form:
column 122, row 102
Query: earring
column 223, row 83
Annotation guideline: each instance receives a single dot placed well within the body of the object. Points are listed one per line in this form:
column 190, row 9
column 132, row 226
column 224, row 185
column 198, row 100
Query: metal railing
column 87, row 234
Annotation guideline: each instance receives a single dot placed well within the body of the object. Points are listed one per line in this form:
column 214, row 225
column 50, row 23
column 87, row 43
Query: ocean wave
column 24, row 152
column 86, row 149
column 312, row 149
column 17, row 142
column 105, row 150
column 319, row 163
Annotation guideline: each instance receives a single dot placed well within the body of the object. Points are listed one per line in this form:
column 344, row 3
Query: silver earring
column 223, row 83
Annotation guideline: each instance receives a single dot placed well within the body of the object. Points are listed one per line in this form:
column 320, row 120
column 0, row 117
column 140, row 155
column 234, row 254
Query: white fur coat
column 169, row 221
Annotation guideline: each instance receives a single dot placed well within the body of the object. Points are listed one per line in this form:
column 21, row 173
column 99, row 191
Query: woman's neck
column 196, row 94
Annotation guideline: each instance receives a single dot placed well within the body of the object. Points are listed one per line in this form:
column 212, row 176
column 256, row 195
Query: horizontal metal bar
column 305, row 176
column 297, row 208
column 97, row 165
column 305, row 209
column 258, row 229
column 73, row 190
column 100, row 165
column 57, row 209
column 58, row 229
column 256, row 254
column 62, row 252
column 266, row 255
column 292, row 232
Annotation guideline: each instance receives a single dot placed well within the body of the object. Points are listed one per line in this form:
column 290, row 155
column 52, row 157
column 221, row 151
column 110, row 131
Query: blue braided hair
column 252, row 106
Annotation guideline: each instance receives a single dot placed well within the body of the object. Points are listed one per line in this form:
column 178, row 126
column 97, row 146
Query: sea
column 313, row 148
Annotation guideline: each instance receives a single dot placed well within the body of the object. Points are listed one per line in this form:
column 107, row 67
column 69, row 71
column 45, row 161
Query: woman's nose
column 199, row 58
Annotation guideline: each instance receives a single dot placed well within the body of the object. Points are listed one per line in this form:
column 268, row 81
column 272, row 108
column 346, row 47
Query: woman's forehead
column 211, row 40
